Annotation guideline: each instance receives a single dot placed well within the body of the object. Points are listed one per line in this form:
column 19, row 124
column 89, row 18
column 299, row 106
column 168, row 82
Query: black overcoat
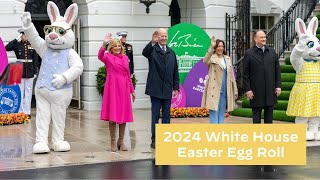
column 163, row 76
column 262, row 75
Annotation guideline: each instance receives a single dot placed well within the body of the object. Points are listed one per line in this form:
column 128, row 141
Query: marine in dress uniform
column 28, row 56
column 128, row 48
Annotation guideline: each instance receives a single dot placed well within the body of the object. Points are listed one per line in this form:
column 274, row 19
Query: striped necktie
column 163, row 48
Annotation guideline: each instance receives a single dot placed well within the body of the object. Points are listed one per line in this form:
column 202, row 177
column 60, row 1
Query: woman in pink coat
column 116, row 104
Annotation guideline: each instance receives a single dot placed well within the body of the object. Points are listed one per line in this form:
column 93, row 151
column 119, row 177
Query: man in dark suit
column 128, row 48
column 262, row 80
column 163, row 78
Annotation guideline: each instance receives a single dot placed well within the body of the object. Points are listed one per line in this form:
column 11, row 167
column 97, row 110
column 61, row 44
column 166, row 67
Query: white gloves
column 119, row 37
column 26, row 20
column 58, row 80
column 18, row 38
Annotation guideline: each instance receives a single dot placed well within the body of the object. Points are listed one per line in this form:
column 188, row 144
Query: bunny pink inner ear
column 301, row 28
column 70, row 15
column 314, row 27
column 53, row 14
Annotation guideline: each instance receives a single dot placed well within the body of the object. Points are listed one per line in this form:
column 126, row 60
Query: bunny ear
column 300, row 27
column 53, row 11
column 71, row 14
column 313, row 25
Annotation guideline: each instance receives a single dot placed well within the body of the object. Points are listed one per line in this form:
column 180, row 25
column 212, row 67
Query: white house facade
column 97, row 17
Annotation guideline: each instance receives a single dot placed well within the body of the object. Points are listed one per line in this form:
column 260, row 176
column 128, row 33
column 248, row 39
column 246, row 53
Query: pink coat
column 116, row 101
column 3, row 57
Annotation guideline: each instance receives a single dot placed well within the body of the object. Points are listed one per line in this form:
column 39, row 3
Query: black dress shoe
column 153, row 145
column 269, row 169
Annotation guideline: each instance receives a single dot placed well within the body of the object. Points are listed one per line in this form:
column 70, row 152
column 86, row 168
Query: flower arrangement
column 17, row 118
column 191, row 112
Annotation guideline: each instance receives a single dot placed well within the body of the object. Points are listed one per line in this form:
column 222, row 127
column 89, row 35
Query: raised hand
column 213, row 42
column 107, row 38
column 18, row 38
column 26, row 20
column 155, row 37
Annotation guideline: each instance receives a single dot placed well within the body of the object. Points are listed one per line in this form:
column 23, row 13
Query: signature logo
column 179, row 40
column 8, row 100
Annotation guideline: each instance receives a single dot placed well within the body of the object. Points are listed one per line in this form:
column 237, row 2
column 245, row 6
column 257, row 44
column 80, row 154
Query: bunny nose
column 318, row 48
column 53, row 36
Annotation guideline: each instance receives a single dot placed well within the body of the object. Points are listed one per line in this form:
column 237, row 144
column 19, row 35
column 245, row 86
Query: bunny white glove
column 303, row 40
column 26, row 20
column 18, row 38
column 58, row 80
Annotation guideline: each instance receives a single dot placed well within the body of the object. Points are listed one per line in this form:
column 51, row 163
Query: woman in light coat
column 221, row 90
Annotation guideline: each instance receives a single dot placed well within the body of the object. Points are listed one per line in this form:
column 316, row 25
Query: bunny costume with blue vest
column 61, row 65
column 304, row 100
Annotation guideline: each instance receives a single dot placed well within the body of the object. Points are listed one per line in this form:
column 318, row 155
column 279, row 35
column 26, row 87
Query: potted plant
column 101, row 79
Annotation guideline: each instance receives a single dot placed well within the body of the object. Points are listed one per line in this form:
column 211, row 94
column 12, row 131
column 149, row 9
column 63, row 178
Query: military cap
column 122, row 33
column 20, row 31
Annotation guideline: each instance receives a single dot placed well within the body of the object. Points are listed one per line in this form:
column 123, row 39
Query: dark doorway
column 39, row 7
column 174, row 12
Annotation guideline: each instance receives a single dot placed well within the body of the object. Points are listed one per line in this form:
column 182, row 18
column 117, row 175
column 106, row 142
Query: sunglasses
column 59, row 30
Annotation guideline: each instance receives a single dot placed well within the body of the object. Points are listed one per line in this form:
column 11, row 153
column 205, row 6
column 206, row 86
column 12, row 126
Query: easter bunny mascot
column 60, row 66
column 304, row 100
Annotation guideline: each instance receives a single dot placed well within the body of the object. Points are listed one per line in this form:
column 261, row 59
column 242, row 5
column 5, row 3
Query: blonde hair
column 113, row 43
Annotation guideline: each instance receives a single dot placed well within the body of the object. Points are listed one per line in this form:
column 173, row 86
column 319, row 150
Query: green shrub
column 287, row 69
column 281, row 104
column 279, row 115
column 287, row 86
column 318, row 30
column 288, row 77
column 318, row 16
column 284, row 95
column 318, row 36
column 287, row 61
column 242, row 112
column 101, row 79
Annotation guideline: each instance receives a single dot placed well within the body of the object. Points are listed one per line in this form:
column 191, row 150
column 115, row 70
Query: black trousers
column 268, row 114
column 268, row 118
column 156, row 105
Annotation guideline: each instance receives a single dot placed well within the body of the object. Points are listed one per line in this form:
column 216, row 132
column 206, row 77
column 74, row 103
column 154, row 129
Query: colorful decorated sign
column 10, row 99
column 180, row 99
column 194, row 84
column 190, row 43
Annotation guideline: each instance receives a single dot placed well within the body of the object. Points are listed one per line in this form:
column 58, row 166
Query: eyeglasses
column 61, row 31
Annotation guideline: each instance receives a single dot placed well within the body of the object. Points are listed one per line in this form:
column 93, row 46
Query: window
column 264, row 23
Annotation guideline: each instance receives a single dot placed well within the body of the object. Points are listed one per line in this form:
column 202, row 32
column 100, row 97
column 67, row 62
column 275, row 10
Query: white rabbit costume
column 60, row 66
column 304, row 100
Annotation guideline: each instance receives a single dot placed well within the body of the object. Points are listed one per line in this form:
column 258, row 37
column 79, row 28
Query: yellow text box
column 230, row 144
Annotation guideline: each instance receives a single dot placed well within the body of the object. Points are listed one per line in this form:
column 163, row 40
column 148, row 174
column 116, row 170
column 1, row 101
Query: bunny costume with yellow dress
column 304, row 100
